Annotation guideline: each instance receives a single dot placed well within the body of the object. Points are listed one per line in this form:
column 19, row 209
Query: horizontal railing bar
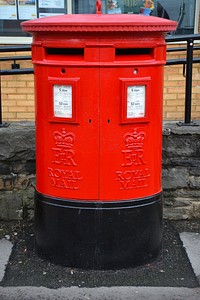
column 181, row 49
column 10, row 58
column 15, row 48
column 16, row 71
column 170, row 62
column 181, row 61
column 182, row 38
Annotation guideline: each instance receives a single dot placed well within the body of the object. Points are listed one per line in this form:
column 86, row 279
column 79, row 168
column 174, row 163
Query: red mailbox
column 98, row 87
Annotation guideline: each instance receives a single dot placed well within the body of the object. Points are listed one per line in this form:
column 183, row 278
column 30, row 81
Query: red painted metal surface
column 99, row 23
column 88, row 67
column 98, row 7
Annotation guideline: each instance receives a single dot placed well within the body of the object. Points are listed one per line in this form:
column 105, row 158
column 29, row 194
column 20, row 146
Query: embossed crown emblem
column 134, row 140
column 64, row 139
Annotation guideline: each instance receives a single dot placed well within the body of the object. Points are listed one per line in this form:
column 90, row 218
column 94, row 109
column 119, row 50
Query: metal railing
column 15, row 68
column 187, row 61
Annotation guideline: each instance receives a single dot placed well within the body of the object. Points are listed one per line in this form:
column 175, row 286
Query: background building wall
column 174, row 88
column 17, row 92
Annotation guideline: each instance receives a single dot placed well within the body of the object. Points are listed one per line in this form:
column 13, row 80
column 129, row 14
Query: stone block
column 179, row 147
column 17, row 142
column 195, row 169
column 23, row 167
column 174, row 178
column 6, row 182
column 196, row 209
column 182, row 202
column 194, row 182
column 4, row 211
column 178, row 213
column 16, row 182
column 168, row 201
column 5, row 168
column 10, row 205
column 28, row 198
column 182, row 193
column 17, row 205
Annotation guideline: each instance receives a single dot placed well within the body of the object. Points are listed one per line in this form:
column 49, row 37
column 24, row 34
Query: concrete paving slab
column 191, row 242
column 102, row 293
column 5, row 252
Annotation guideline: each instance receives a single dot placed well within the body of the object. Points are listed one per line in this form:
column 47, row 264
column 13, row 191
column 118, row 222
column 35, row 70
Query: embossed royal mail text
column 136, row 174
column 65, row 179
column 64, row 175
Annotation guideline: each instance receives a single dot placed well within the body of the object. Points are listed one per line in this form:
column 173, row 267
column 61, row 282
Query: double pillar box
column 98, row 90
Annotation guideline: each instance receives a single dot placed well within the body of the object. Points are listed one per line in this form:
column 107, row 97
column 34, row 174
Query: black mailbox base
column 98, row 235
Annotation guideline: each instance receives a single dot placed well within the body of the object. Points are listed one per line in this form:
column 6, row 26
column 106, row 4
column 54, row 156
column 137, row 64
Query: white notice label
column 62, row 96
column 136, row 101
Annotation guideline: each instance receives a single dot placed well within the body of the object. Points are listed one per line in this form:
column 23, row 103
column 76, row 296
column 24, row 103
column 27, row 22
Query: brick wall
column 18, row 92
column 174, row 89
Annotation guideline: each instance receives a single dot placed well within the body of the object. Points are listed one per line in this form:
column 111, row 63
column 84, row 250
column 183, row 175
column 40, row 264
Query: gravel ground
column 25, row 268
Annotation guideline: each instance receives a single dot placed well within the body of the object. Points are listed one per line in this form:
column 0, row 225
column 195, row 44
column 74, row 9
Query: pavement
column 175, row 274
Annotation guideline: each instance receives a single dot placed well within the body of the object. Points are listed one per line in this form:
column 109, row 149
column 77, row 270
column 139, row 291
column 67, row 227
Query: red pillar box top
column 99, row 23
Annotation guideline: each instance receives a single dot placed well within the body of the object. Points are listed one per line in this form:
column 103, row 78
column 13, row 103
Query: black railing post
column 0, row 105
column 5, row 124
column 188, row 87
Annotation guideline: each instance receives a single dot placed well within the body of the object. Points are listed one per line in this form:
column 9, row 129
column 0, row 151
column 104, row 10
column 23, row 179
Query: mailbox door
column 130, row 137
column 67, row 141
